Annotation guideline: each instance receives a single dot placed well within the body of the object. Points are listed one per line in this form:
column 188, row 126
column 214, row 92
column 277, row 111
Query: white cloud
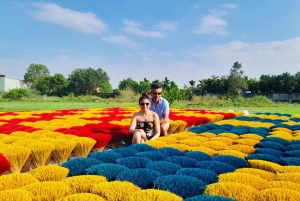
column 135, row 28
column 229, row 5
column 84, row 22
column 214, row 23
column 170, row 26
column 121, row 40
column 274, row 57
column 211, row 24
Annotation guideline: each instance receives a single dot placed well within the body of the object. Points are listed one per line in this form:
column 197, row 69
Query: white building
column 8, row 83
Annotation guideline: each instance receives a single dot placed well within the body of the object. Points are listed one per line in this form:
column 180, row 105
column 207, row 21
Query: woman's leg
column 138, row 137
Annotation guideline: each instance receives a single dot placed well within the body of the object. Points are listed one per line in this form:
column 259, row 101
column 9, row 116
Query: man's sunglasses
column 154, row 93
column 143, row 104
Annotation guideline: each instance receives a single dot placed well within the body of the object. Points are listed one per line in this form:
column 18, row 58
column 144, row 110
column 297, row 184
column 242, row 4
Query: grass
column 128, row 99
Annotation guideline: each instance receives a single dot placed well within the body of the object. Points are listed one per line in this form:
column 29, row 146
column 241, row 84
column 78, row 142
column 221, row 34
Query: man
column 161, row 107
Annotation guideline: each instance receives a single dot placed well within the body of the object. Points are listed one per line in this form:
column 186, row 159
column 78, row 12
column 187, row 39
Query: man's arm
column 165, row 119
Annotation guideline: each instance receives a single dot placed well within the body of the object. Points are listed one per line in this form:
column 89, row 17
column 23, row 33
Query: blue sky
column 182, row 40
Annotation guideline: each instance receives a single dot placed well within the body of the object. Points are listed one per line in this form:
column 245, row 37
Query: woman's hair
column 144, row 96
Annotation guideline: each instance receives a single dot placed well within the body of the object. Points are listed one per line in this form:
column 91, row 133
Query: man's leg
column 164, row 129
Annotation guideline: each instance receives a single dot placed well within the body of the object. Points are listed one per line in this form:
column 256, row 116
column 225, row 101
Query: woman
column 144, row 124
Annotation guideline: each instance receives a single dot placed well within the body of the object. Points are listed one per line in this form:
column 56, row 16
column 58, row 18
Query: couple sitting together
column 152, row 120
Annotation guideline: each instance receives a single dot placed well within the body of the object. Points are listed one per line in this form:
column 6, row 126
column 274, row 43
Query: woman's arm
column 132, row 127
column 132, row 124
column 156, row 126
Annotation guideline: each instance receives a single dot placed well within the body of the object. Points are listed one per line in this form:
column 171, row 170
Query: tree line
column 90, row 81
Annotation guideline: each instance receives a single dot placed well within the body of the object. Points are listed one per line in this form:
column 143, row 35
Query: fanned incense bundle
column 231, row 153
column 200, row 138
column 101, row 141
column 181, row 147
column 16, row 180
column 168, row 140
column 48, row 190
column 23, row 142
column 269, row 176
column 152, row 155
column 183, row 135
column 208, row 135
column 284, row 185
column 265, row 165
column 82, row 197
column 276, row 194
column 156, row 144
column 4, row 164
column 289, row 169
column 41, row 152
column 50, row 173
column 31, row 136
column 9, row 139
column 251, row 136
column 62, row 150
column 204, row 149
column 190, row 142
column 16, row 155
column 14, row 195
column 173, row 126
column 229, row 135
column 293, row 177
column 115, row 190
column 181, row 126
column 225, row 140
column 215, row 145
column 208, row 198
column 152, row 194
column 232, row 190
column 18, row 134
column 83, row 146
column 83, row 183
column 244, row 178
column 242, row 148
column 182, row 185
column 249, row 142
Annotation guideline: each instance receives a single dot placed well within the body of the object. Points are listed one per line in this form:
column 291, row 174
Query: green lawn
column 43, row 105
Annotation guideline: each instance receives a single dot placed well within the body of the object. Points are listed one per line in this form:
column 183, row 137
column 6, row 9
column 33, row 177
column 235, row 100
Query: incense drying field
column 79, row 154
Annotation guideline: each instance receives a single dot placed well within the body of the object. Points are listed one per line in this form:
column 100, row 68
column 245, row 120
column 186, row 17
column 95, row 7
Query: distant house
column 8, row 83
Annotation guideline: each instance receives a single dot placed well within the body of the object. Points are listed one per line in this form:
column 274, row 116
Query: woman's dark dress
column 148, row 127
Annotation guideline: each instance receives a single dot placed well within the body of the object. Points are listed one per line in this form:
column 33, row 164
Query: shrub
column 16, row 94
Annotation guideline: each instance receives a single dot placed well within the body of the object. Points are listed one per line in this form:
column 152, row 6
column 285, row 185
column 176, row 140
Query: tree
column 192, row 83
column 86, row 81
column 34, row 72
column 128, row 84
column 52, row 85
column 43, row 84
column 144, row 86
column 236, row 80
column 59, row 85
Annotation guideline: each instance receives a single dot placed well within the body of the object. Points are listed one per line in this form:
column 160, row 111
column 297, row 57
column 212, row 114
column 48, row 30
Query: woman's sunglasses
column 143, row 104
